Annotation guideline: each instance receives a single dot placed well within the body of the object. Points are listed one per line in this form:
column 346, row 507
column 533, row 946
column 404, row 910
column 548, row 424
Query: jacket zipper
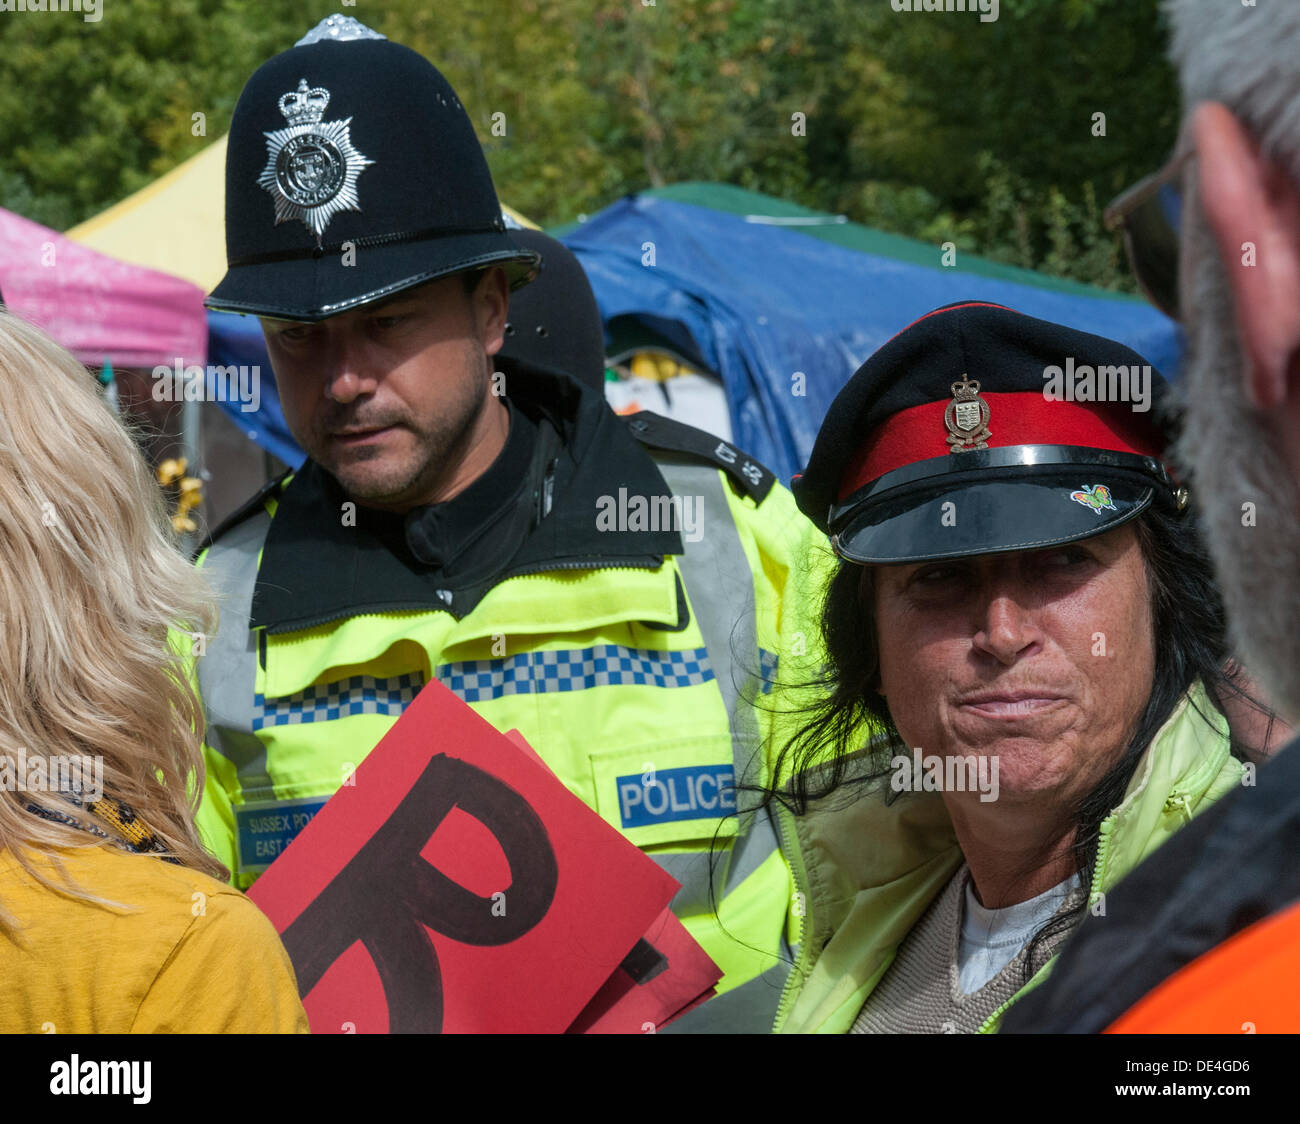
column 589, row 564
column 1178, row 802
column 988, row 1023
column 785, row 820
column 1103, row 852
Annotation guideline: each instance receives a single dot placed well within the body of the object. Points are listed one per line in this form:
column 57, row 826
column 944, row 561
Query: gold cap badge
column 967, row 417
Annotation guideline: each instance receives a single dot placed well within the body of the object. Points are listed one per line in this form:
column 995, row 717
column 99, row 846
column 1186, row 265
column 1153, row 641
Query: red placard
column 454, row 885
column 625, row 1004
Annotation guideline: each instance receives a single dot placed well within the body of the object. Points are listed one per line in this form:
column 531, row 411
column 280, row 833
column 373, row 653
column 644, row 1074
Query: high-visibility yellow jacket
column 636, row 662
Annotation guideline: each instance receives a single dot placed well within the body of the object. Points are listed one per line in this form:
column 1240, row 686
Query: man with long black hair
column 1025, row 625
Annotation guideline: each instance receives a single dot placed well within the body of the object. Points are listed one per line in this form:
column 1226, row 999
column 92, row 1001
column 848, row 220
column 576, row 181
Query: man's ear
column 491, row 308
column 1253, row 210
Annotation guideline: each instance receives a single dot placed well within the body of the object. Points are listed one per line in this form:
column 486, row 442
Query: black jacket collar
column 316, row 569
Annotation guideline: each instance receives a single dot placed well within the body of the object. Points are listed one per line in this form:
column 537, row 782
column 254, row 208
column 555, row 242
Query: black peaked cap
column 1014, row 497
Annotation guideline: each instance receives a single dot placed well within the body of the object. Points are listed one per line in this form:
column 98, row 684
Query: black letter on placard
column 387, row 892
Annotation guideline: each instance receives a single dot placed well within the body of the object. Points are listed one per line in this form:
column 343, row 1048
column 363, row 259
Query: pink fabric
column 96, row 306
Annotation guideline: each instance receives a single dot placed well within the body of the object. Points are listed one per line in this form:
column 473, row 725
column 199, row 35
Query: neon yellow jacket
column 865, row 874
column 614, row 673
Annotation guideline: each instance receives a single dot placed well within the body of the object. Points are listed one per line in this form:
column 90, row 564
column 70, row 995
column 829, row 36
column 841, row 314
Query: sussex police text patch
column 266, row 829
column 662, row 796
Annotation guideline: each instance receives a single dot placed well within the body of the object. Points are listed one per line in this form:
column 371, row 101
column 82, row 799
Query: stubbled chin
column 370, row 478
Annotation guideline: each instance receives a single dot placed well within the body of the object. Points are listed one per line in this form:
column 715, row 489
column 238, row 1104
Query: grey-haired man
column 1231, row 875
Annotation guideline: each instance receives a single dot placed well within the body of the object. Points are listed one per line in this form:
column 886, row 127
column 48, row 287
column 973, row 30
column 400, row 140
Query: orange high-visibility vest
column 1248, row 984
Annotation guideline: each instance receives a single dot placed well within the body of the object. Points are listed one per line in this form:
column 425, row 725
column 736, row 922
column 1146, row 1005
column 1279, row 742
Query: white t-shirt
column 991, row 938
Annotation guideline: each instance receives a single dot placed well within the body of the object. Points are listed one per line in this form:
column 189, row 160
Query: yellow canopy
column 177, row 223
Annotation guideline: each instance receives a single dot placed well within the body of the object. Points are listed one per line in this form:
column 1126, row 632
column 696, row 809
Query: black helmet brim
column 315, row 286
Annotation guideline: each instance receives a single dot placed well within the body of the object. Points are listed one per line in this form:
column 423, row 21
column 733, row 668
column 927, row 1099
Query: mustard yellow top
column 181, row 953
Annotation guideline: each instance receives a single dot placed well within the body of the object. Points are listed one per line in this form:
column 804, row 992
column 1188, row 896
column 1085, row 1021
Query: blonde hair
column 91, row 589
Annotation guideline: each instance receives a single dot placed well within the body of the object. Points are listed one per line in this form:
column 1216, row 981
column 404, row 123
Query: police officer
column 505, row 534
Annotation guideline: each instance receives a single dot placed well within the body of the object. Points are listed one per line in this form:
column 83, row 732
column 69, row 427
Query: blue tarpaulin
column 761, row 303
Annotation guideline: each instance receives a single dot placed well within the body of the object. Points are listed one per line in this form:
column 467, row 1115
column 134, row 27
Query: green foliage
column 933, row 125
column 1013, row 221
column 90, row 112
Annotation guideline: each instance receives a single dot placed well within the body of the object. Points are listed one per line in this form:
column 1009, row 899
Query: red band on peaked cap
column 1021, row 418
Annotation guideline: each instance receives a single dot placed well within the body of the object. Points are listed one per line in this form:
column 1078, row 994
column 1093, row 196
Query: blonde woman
column 112, row 918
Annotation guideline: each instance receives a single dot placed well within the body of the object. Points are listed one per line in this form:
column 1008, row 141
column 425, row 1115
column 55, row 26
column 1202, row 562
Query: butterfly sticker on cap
column 1095, row 497
column 311, row 166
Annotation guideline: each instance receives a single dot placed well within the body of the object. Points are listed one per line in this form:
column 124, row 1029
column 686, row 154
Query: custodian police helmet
column 352, row 173
column 978, row 430
column 555, row 324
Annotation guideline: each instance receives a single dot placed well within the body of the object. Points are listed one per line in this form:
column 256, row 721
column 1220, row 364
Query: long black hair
column 1190, row 629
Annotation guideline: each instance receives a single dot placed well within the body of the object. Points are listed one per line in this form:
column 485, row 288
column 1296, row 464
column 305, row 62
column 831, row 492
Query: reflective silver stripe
column 730, row 867
column 227, row 673
column 720, row 588
column 747, row 1009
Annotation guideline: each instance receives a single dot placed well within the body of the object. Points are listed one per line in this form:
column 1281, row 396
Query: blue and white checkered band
column 312, row 166
column 477, row 681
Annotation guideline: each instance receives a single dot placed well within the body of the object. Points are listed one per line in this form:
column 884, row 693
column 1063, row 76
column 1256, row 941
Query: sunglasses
column 1150, row 215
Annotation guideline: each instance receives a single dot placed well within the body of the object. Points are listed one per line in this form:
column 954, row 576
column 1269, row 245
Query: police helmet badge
column 967, row 417
column 311, row 166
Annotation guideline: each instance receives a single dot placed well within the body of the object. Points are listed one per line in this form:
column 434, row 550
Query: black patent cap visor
column 995, row 501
